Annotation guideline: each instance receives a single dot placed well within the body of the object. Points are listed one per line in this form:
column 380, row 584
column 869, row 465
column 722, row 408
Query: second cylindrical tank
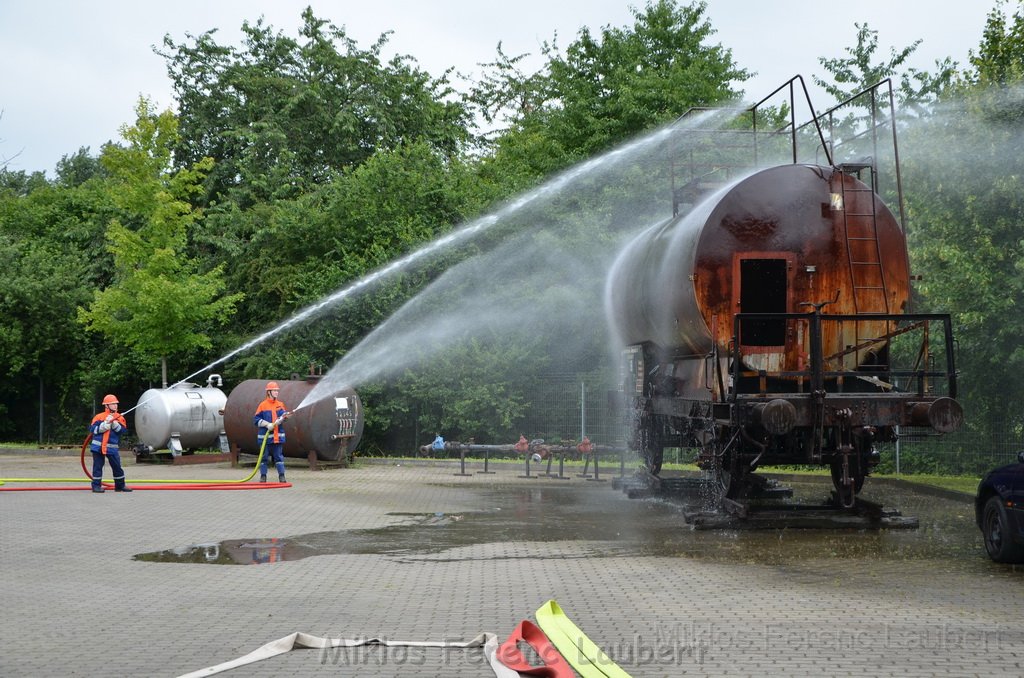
column 331, row 426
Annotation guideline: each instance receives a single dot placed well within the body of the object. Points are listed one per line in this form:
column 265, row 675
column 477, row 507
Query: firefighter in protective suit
column 270, row 414
column 107, row 427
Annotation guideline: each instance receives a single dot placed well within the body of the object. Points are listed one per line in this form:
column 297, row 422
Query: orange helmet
column 271, row 385
column 110, row 399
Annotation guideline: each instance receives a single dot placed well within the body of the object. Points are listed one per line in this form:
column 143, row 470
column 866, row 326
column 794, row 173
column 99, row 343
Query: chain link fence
column 565, row 409
column 964, row 452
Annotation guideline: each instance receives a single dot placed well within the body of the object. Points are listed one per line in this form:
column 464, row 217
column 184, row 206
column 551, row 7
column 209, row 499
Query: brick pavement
column 667, row 602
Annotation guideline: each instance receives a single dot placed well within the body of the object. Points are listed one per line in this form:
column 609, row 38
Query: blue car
column 999, row 512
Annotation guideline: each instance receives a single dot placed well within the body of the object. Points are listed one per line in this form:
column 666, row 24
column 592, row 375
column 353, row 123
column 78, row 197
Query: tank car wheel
column 996, row 532
column 653, row 453
column 646, row 439
column 847, row 494
column 725, row 482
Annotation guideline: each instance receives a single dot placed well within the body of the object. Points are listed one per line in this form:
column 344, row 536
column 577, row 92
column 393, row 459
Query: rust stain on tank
column 834, row 234
column 750, row 228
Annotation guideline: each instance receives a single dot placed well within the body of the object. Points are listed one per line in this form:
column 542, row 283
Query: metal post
column 528, row 453
column 586, row 465
column 486, row 457
column 597, row 472
column 897, row 451
column 583, row 410
column 462, row 462
column 817, row 356
column 561, row 468
column 40, row 410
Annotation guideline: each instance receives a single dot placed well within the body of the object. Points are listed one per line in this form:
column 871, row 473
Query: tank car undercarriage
column 824, row 416
column 730, row 452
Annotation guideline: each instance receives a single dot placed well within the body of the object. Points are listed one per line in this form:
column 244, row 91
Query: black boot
column 263, row 479
column 98, row 490
column 122, row 489
column 280, row 477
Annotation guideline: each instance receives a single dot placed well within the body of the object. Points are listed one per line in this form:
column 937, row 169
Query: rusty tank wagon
column 770, row 325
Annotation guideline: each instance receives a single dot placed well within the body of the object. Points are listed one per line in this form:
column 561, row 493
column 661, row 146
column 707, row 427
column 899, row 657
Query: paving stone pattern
column 75, row 602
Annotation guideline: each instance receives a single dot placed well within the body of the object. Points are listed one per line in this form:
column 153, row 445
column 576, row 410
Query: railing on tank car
column 738, row 146
column 786, row 119
column 909, row 337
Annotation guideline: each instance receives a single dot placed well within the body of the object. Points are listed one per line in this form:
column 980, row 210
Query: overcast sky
column 73, row 69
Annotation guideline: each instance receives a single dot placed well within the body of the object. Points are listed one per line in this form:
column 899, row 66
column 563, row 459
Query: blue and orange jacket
column 107, row 441
column 269, row 410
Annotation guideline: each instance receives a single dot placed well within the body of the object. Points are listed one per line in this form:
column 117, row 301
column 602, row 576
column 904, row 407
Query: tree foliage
column 606, row 88
column 858, row 71
column 612, row 87
column 965, row 175
column 997, row 60
column 281, row 115
column 51, row 237
column 160, row 303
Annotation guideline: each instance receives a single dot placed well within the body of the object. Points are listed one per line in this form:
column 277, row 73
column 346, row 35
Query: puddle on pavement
column 598, row 521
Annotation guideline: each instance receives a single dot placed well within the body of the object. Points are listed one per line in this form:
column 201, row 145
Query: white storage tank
column 182, row 417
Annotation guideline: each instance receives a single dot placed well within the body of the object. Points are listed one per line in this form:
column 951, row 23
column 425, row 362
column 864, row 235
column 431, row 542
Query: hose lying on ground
column 158, row 483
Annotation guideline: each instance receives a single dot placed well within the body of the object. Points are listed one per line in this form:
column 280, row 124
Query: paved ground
column 414, row 552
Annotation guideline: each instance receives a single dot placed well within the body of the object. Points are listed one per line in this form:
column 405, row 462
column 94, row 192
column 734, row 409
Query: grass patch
column 966, row 484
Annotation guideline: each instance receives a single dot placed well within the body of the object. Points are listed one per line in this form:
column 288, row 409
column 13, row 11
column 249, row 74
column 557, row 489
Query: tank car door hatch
column 763, row 283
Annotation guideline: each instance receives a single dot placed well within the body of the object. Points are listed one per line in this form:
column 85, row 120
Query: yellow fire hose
column 587, row 658
column 175, row 481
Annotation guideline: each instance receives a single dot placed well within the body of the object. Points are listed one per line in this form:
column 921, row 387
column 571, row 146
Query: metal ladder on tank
column 867, row 275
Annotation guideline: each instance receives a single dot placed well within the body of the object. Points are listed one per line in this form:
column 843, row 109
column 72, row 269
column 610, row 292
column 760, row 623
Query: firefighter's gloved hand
column 266, row 424
column 277, row 422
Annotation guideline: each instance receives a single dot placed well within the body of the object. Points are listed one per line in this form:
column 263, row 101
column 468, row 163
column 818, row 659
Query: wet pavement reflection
column 596, row 521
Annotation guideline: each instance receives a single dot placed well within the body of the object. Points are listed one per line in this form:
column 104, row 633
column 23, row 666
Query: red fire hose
column 150, row 484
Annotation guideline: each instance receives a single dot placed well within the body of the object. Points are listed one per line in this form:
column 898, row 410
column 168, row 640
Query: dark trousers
column 114, row 457
column 274, row 451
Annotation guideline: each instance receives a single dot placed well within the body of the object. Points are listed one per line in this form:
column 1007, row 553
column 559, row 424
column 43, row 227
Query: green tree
column 998, row 58
column 76, row 169
column 52, row 241
column 159, row 303
column 466, row 392
column 965, row 179
column 394, row 203
column 858, row 71
column 21, row 182
column 606, row 88
column 39, row 343
column 281, row 115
